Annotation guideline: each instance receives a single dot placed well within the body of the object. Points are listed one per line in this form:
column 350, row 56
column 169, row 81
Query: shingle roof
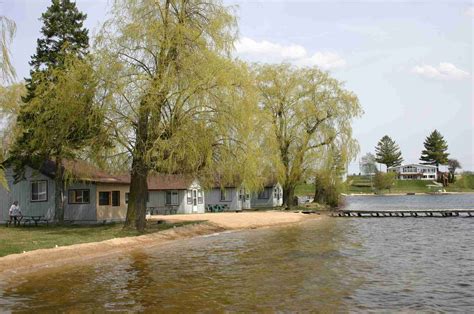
column 169, row 182
column 84, row 171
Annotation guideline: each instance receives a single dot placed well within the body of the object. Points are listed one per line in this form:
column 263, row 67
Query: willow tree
column 331, row 167
column 7, row 32
column 179, row 102
column 308, row 111
column 7, row 72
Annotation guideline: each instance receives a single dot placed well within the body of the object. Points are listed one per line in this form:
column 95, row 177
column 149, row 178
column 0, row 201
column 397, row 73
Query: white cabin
column 415, row 172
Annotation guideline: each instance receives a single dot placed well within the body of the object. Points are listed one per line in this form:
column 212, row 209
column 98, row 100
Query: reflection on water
column 394, row 202
column 336, row 265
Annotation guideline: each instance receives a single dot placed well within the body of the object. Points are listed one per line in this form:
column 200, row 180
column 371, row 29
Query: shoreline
column 28, row 262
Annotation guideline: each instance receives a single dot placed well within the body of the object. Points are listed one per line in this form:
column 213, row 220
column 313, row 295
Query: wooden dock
column 430, row 213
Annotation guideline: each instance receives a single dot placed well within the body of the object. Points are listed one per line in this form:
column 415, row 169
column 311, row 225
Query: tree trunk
column 319, row 192
column 288, row 196
column 59, row 192
column 136, row 210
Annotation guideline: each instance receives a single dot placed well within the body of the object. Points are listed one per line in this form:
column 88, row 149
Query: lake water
column 334, row 265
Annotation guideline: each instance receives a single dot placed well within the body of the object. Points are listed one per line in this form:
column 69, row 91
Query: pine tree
column 62, row 34
column 58, row 117
column 435, row 150
column 388, row 153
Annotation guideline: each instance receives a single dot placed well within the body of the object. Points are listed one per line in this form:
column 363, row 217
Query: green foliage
column 388, row 153
column 453, row 164
column 384, row 181
column 61, row 119
column 464, row 183
column 63, row 34
column 435, row 150
column 307, row 110
column 7, row 74
column 177, row 102
column 10, row 104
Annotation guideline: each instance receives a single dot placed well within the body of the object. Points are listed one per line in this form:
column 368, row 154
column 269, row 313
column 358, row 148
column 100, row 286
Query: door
column 245, row 199
column 195, row 201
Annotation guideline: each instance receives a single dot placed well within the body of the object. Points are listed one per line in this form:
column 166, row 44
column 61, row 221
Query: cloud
column 324, row 60
column 444, row 71
column 269, row 52
column 470, row 11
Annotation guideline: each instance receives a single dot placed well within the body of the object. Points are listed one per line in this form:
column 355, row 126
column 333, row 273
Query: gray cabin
column 94, row 196
column 174, row 194
column 231, row 198
column 271, row 196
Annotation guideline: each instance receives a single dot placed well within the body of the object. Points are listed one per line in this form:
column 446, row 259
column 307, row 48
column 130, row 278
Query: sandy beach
column 211, row 223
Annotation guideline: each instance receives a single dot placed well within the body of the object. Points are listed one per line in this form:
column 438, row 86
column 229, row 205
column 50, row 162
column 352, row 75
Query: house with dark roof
column 270, row 196
column 96, row 196
column 174, row 194
column 229, row 197
column 234, row 197
column 92, row 196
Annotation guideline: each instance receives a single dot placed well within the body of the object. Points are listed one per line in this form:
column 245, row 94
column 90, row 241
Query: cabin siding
column 275, row 199
column 81, row 212
column 213, row 197
column 21, row 192
column 109, row 213
column 157, row 199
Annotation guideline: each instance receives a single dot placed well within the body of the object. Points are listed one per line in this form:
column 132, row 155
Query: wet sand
column 14, row 264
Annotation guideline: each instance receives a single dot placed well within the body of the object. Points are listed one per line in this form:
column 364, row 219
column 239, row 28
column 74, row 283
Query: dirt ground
column 11, row 265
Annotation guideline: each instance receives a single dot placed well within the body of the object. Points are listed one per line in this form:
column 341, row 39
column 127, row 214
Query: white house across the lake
column 415, row 172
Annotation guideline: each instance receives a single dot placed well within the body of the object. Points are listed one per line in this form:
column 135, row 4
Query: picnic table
column 34, row 218
column 163, row 210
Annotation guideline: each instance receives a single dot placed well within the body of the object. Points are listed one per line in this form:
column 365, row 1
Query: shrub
column 384, row 181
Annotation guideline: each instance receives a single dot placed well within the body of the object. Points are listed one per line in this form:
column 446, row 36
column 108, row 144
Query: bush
column 328, row 190
column 384, row 181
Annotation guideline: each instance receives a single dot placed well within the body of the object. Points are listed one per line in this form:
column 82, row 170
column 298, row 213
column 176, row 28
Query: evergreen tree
column 58, row 117
column 388, row 153
column 62, row 34
column 435, row 150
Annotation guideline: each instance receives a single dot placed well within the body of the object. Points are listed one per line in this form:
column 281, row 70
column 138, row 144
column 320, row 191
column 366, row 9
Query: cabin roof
column 160, row 181
column 84, row 171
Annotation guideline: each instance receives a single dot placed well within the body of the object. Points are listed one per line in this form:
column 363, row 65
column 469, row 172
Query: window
column 115, row 198
column 189, row 197
column 79, row 196
column 226, row 196
column 265, row 194
column 104, row 198
column 126, row 197
column 200, row 198
column 39, row 191
column 171, row 197
column 194, row 197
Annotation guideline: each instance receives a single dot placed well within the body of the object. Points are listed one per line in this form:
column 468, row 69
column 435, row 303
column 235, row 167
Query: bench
column 35, row 219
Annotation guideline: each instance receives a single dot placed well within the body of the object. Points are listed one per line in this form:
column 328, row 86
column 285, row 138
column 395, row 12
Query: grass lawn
column 19, row 239
column 304, row 189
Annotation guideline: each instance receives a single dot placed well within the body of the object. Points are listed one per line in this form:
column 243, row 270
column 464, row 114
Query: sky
column 410, row 63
